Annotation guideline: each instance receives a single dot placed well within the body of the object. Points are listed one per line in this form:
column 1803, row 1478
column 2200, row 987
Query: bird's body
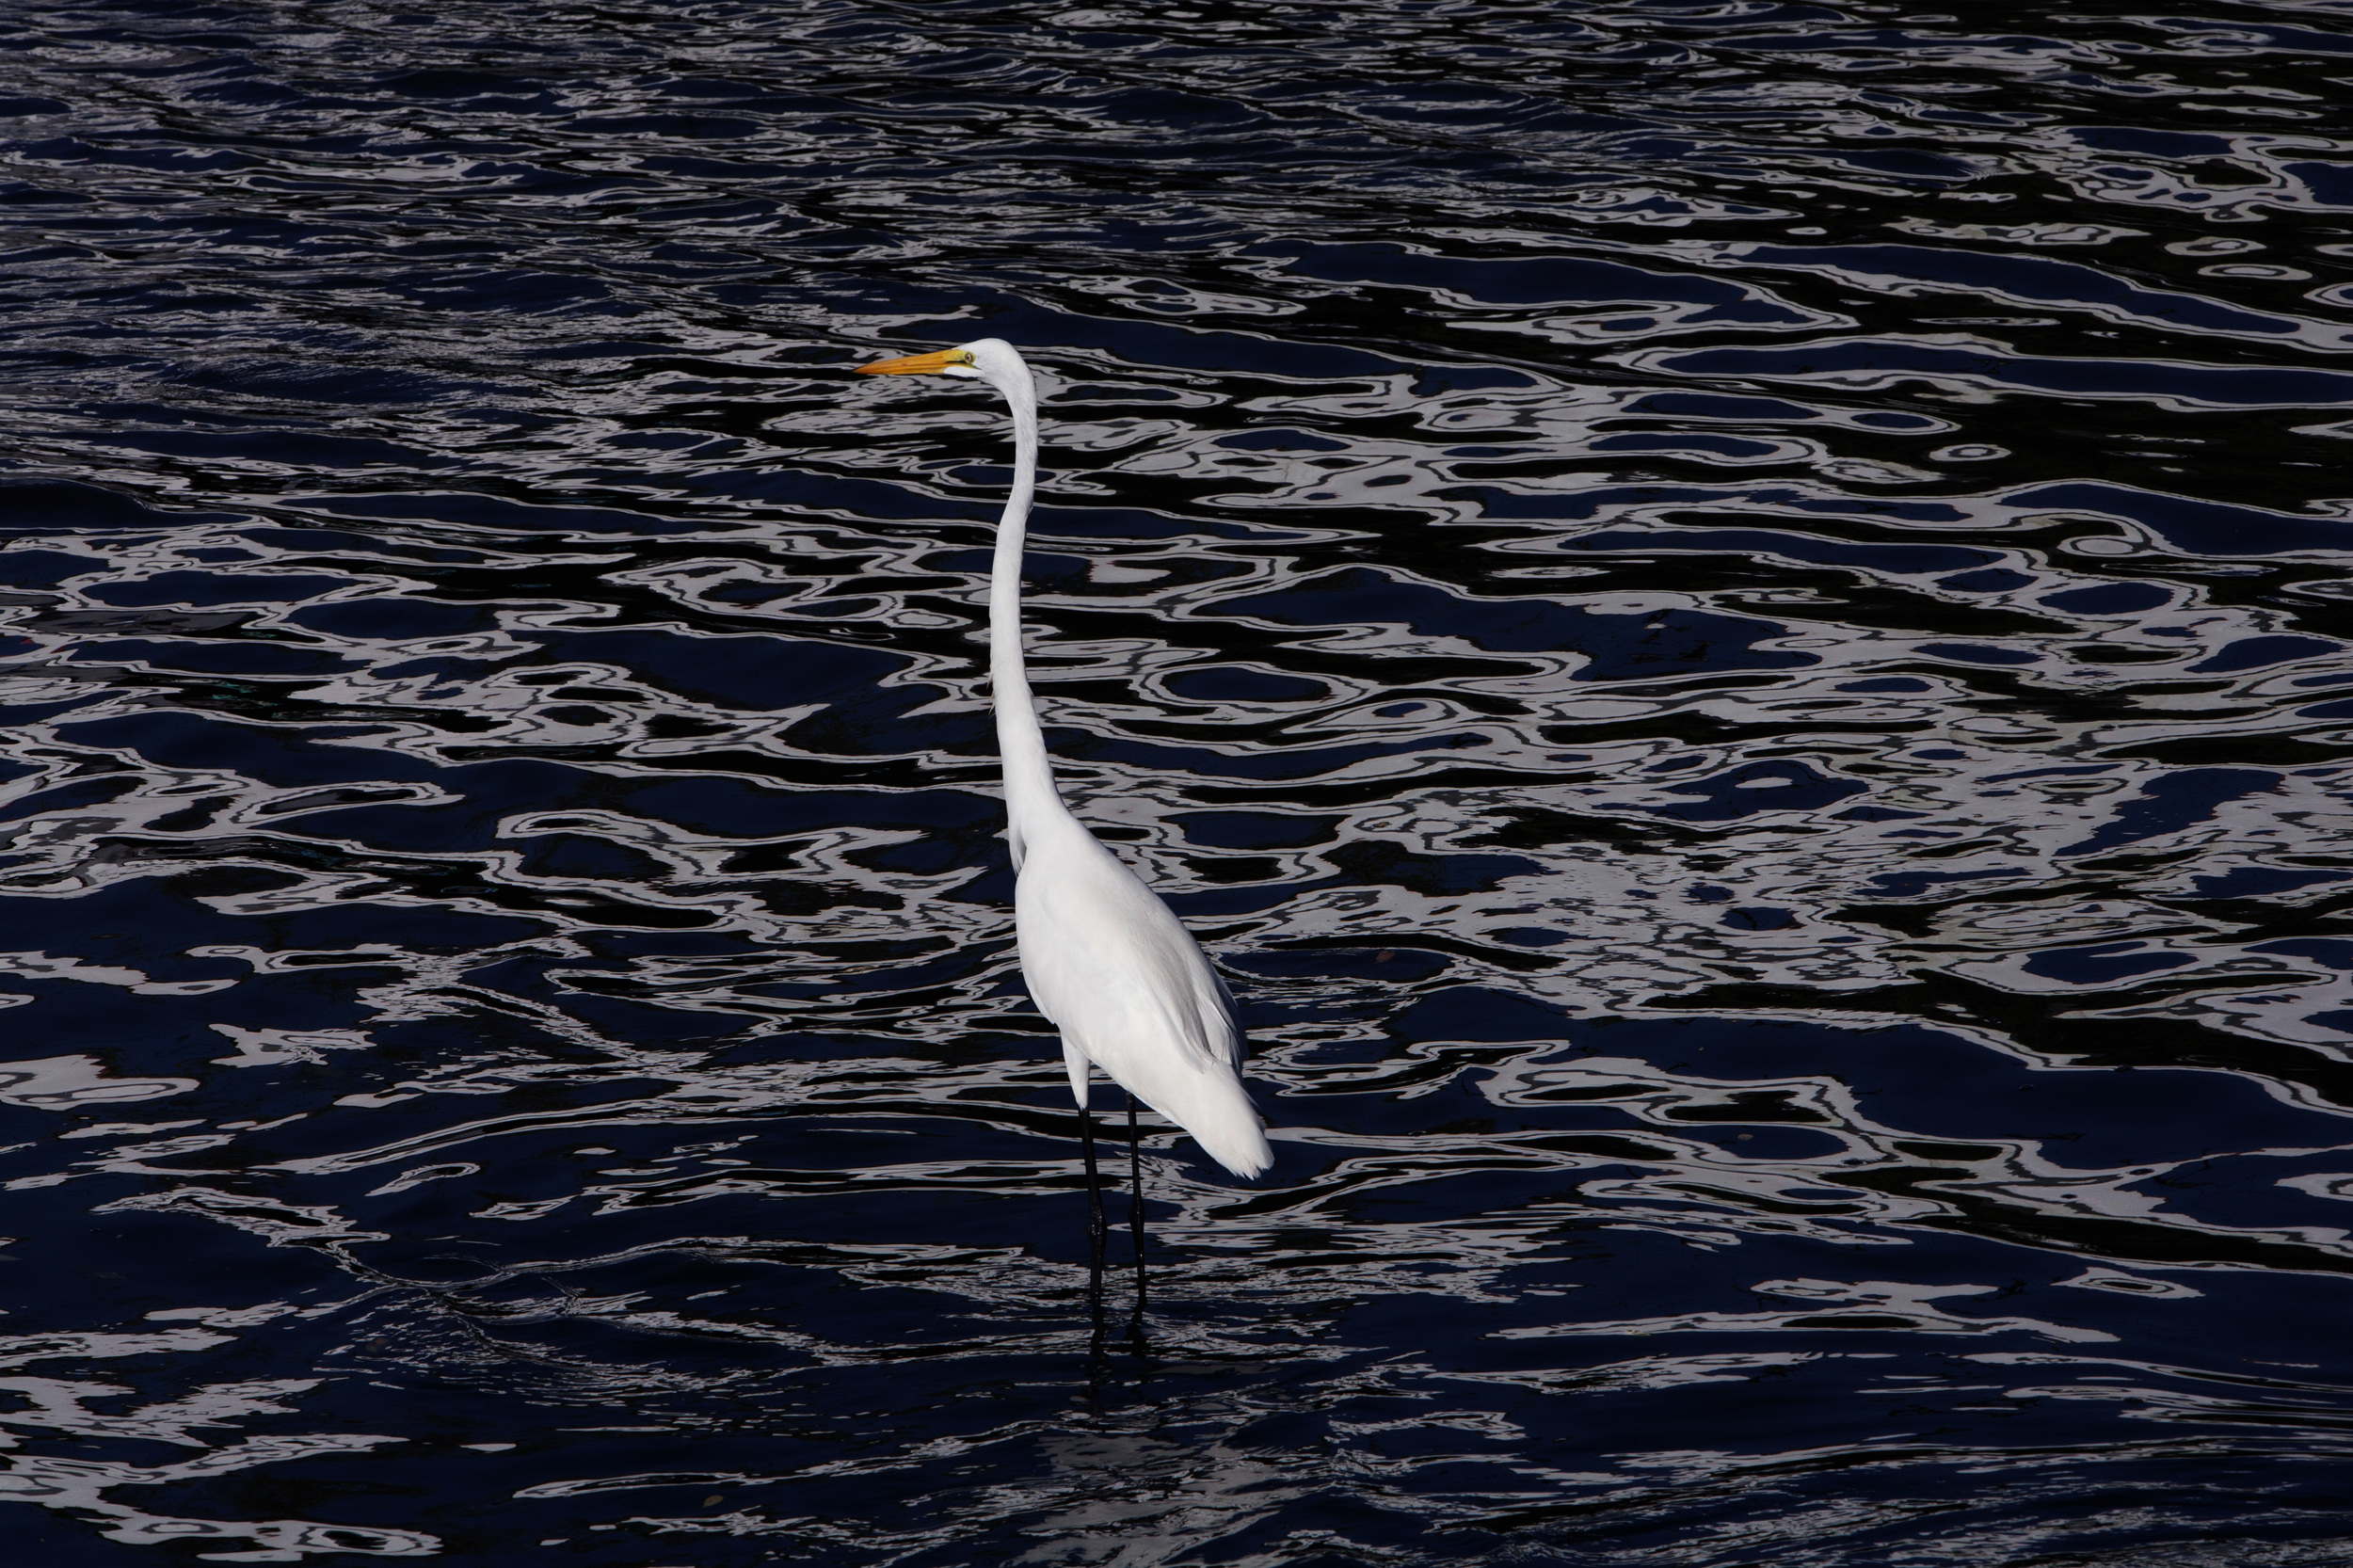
column 1105, row 960
column 1130, row 990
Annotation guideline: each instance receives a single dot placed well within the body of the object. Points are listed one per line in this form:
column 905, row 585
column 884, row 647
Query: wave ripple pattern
column 1730, row 617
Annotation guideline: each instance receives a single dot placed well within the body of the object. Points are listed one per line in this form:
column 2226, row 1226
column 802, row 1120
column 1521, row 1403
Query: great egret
column 1106, row 961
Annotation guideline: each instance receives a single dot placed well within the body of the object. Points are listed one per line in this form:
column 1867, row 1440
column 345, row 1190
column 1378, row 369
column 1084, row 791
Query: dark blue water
column 1730, row 617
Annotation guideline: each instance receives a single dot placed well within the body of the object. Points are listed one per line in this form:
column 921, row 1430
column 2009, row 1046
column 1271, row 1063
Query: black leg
column 1097, row 1229
column 1135, row 1224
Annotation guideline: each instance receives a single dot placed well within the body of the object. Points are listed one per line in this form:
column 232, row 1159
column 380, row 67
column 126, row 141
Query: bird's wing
column 1114, row 967
column 1217, row 1018
column 1131, row 991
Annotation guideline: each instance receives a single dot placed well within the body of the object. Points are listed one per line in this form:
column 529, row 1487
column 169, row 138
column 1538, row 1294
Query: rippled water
column 1724, row 615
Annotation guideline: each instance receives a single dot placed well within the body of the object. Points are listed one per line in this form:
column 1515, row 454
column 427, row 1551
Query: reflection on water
column 1727, row 617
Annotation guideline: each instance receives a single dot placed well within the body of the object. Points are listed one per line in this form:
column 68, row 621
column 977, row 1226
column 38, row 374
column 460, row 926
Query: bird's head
column 985, row 358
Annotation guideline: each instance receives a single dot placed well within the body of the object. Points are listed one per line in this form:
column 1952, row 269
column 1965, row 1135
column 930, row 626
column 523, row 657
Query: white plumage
column 1105, row 960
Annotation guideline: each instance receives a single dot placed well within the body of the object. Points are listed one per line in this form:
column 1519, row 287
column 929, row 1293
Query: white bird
column 1106, row 961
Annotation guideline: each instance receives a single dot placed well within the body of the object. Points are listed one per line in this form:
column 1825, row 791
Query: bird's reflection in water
column 1119, row 1494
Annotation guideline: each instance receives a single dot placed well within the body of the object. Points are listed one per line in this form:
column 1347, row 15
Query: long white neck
column 1030, row 798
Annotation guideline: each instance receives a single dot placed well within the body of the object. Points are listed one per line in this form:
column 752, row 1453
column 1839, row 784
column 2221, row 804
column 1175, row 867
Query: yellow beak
column 919, row 364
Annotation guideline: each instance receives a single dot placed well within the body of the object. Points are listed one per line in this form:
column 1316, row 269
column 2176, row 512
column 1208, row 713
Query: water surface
column 1729, row 617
